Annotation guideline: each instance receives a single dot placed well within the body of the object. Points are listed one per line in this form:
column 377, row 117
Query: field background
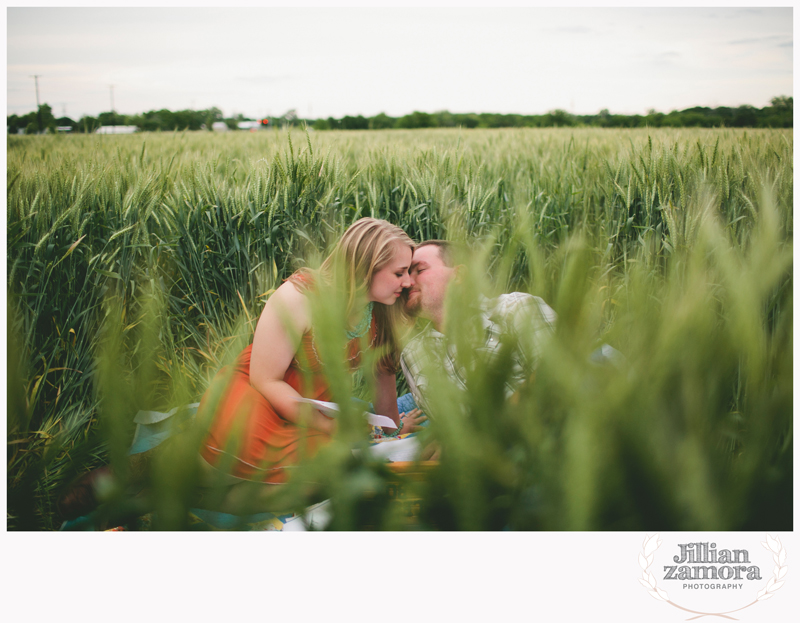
column 138, row 264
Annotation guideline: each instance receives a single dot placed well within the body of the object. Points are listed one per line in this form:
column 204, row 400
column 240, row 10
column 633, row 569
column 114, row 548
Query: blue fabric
column 155, row 434
column 406, row 403
column 82, row 524
column 148, row 436
column 225, row 521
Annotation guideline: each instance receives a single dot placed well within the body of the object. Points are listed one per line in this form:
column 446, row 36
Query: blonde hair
column 365, row 248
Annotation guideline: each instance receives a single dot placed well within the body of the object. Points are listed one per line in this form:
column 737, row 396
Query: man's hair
column 445, row 250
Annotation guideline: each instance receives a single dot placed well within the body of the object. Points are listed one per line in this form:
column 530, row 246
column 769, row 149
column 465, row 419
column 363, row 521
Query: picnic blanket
column 315, row 517
column 155, row 427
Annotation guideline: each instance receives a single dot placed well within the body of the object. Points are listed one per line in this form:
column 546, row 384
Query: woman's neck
column 357, row 312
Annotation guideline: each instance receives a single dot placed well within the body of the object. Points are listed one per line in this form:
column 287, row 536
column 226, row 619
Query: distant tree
column 724, row 116
column 354, row 123
column 16, row 123
column 444, row 119
column 381, row 121
column 654, row 119
column 560, row 119
column 48, row 121
column 469, row 120
column 636, row 121
column 211, row 116
column 534, row 121
column 745, row 117
column 671, row 120
column 486, row 120
column 509, row 121
column 782, row 101
column 154, row 121
column 321, row 124
column 187, row 120
column 87, row 124
column 111, row 118
column 415, row 120
column 490, row 120
column 779, row 115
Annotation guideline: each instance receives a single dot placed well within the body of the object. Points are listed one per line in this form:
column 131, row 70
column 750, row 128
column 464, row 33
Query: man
column 526, row 318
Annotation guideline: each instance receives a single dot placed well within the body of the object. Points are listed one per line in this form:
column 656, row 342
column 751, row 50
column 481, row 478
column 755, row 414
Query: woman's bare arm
column 386, row 396
column 284, row 320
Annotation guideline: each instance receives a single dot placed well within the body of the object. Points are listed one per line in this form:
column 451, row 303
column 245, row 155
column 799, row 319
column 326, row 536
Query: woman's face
column 388, row 283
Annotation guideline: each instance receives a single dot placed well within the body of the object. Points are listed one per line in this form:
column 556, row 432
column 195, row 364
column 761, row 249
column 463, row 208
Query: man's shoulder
column 514, row 302
column 415, row 344
column 413, row 357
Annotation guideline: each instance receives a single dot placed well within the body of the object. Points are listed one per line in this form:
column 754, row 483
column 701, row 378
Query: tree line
column 152, row 121
column 779, row 114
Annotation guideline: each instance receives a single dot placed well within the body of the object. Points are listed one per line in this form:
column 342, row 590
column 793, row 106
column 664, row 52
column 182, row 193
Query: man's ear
column 458, row 272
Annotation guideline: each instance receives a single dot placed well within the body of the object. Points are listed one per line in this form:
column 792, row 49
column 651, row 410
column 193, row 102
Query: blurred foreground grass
column 137, row 266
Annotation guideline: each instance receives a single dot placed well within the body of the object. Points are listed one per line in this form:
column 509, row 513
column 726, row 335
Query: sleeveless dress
column 247, row 437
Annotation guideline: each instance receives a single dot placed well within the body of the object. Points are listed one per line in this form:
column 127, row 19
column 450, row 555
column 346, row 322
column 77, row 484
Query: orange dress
column 247, row 435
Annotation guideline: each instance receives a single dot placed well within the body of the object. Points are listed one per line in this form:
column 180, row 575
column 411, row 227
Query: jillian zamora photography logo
column 710, row 577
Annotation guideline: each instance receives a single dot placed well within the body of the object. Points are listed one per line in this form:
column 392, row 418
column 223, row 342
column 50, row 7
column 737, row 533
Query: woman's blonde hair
column 365, row 248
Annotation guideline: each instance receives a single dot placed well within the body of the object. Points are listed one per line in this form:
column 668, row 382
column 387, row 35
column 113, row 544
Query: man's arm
column 531, row 322
column 411, row 364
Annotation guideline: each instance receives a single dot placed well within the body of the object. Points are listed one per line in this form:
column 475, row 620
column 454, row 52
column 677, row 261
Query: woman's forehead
column 402, row 254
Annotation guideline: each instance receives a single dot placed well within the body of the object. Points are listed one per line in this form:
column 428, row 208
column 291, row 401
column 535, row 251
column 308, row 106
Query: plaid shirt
column 523, row 317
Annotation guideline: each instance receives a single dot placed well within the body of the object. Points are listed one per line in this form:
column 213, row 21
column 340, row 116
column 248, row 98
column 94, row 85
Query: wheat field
column 137, row 265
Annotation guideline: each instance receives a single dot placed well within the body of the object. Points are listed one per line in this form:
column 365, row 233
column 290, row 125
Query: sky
column 334, row 61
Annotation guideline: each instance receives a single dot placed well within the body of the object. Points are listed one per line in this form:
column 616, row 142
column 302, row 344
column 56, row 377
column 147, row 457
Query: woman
column 259, row 427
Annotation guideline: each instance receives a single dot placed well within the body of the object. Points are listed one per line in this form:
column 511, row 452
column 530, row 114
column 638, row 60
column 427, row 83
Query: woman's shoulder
column 302, row 279
column 290, row 291
column 290, row 302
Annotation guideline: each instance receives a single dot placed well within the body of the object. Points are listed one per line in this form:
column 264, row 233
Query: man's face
column 429, row 280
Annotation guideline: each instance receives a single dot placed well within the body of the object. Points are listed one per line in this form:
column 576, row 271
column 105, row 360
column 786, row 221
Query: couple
column 259, row 428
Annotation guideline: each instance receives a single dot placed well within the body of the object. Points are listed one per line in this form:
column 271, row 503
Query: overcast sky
column 334, row 62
